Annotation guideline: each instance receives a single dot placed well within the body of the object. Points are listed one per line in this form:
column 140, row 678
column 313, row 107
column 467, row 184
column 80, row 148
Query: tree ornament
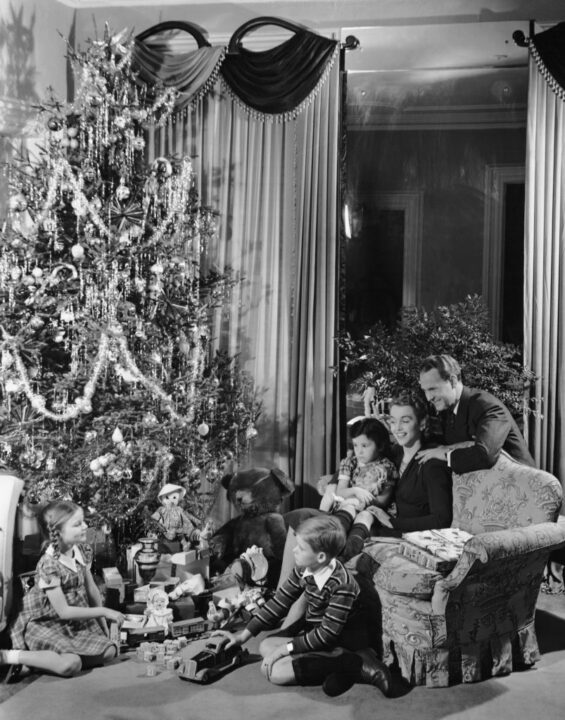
column 15, row 273
column 162, row 167
column 37, row 272
column 18, row 202
column 72, row 131
column 251, row 433
column 54, row 124
column 117, row 436
column 77, row 251
column 49, row 225
column 122, row 191
column 203, row 429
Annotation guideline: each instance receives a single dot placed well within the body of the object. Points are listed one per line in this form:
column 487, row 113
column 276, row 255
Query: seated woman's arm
column 436, row 479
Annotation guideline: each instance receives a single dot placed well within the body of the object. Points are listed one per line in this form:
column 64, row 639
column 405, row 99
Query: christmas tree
column 109, row 386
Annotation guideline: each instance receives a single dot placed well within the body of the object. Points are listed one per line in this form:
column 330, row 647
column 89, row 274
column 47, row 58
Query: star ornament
column 125, row 214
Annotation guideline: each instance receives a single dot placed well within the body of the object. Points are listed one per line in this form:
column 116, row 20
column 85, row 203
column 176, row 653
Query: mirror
column 434, row 189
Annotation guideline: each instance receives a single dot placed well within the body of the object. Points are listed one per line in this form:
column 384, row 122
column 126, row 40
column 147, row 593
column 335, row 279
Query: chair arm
column 490, row 546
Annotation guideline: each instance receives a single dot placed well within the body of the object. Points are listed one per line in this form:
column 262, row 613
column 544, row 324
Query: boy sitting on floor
column 328, row 645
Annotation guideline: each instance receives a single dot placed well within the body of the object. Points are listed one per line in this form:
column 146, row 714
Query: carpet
column 121, row 691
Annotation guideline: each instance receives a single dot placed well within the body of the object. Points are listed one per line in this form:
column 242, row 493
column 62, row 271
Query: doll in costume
column 178, row 528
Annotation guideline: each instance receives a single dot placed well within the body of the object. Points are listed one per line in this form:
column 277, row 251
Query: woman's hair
column 323, row 533
column 53, row 516
column 413, row 399
column 376, row 431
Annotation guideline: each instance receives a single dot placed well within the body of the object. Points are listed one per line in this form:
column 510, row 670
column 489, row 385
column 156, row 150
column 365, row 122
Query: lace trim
column 542, row 67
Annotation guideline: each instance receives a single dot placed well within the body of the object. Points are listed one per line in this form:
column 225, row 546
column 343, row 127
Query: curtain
column 544, row 329
column 273, row 180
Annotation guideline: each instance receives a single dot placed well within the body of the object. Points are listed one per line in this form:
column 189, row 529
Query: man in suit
column 468, row 414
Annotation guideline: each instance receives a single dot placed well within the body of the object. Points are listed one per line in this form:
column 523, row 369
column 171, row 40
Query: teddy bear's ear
column 226, row 480
column 287, row 486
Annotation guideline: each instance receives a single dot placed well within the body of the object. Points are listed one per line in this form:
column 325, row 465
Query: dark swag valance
column 275, row 82
column 548, row 50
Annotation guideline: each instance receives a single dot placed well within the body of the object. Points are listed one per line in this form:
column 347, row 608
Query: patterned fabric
column 39, row 627
column 507, row 495
column 328, row 608
column 478, row 621
column 377, row 476
column 401, row 576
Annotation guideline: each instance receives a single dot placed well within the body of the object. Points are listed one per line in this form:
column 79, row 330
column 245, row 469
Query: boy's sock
column 316, row 669
column 355, row 541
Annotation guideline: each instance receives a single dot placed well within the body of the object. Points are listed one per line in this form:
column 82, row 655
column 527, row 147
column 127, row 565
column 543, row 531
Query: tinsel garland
column 111, row 339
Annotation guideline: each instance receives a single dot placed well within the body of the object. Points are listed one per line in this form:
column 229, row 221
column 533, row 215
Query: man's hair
column 375, row 431
column 410, row 398
column 323, row 533
column 444, row 364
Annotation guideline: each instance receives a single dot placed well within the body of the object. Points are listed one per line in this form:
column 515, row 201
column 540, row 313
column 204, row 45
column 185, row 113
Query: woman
column 423, row 495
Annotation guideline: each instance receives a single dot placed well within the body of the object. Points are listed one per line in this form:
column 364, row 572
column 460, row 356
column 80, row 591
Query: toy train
column 188, row 628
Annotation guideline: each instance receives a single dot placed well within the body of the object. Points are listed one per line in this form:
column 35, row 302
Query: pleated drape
column 544, row 329
column 273, row 182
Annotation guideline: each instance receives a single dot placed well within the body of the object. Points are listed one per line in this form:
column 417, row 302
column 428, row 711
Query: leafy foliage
column 389, row 359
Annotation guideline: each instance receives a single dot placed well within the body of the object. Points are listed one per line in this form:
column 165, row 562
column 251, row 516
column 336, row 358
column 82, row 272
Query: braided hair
column 53, row 516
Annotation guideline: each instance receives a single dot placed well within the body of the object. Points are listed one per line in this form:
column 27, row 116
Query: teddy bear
column 257, row 493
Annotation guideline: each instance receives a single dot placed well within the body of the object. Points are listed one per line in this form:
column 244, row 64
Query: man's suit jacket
column 484, row 419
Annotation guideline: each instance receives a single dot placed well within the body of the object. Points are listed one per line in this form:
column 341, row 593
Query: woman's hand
column 365, row 496
column 381, row 515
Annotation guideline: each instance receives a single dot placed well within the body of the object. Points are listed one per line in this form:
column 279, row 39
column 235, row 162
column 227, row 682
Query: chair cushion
column 400, row 576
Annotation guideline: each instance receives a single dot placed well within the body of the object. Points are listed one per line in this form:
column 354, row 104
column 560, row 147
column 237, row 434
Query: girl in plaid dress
column 62, row 627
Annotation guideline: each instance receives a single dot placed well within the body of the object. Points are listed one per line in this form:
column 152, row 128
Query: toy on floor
column 212, row 662
column 257, row 493
column 158, row 613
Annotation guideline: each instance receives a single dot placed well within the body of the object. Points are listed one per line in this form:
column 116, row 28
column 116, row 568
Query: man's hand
column 268, row 662
column 439, row 453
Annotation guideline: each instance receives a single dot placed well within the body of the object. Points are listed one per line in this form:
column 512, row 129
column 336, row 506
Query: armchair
column 478, row 620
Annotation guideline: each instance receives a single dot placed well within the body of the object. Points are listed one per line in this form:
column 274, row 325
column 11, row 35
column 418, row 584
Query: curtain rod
column 520, row 39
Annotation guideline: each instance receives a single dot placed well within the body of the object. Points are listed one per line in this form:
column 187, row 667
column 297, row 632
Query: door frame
column 496, row 179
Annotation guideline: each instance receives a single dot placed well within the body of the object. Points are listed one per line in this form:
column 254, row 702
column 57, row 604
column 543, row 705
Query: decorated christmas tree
column 109, row 384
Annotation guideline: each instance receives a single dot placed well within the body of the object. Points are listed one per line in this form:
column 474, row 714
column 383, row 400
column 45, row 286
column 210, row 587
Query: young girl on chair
column 62, row 627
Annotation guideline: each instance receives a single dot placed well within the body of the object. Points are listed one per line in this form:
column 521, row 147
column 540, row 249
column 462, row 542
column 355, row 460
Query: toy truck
column 212, row 662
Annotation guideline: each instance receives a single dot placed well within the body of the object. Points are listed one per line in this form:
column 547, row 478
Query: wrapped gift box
column 435, row 549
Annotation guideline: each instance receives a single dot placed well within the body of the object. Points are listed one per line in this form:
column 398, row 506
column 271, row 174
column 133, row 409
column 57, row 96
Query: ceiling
column 392, row 33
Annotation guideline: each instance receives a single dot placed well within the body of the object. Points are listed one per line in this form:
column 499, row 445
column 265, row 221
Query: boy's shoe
column 374, row 671
column 350, row 666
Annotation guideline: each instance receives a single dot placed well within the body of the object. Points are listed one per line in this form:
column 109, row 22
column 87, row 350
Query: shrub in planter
column 386, row 359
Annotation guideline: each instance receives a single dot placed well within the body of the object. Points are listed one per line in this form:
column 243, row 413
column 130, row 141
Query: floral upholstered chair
column 476, row 620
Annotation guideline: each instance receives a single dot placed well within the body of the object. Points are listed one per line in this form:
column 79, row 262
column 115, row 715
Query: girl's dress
column 39, row 627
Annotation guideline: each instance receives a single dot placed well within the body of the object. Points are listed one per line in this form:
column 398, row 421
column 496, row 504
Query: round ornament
column 122, row 192
column 162, row 166
column 77, row 251
column 54, row 124
column 251, row 433
column 203, row 429
column 72, row 131
column 18, row 202
column 37, row 272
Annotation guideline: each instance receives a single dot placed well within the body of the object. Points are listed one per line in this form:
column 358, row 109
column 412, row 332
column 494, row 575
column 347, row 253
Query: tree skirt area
column 122, row 691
